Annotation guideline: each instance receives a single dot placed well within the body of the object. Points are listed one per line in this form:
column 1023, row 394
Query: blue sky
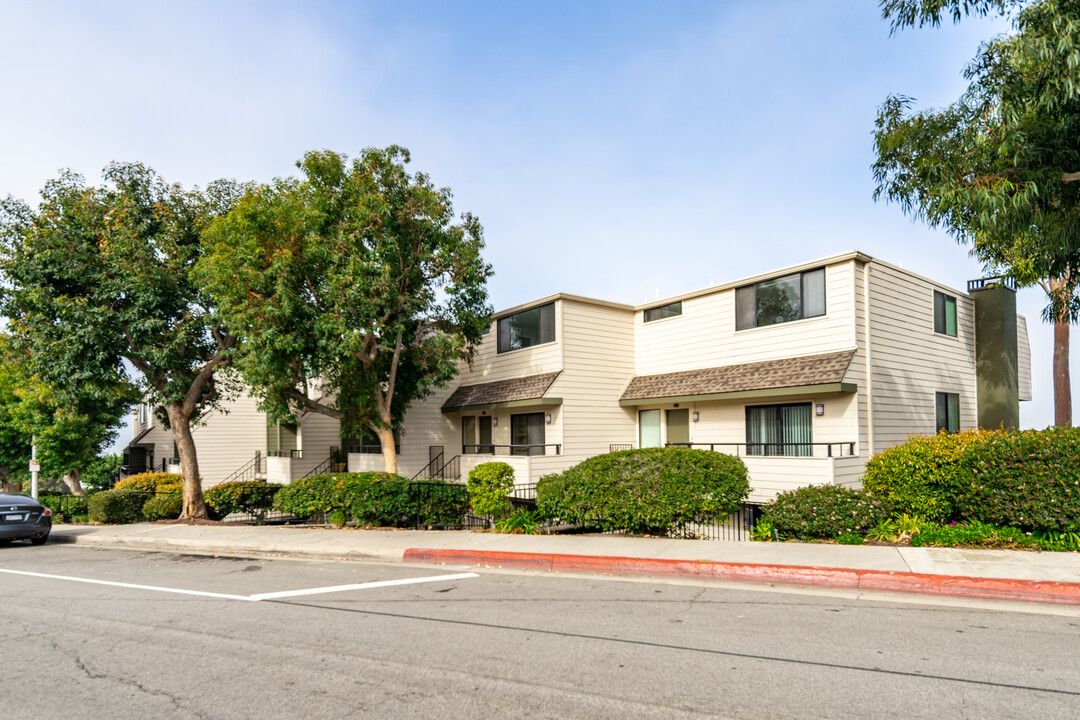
column 622, row 150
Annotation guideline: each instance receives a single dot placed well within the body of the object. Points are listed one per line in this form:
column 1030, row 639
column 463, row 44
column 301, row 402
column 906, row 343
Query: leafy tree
column 355, row 290
column 998, row 168
column 100, row 280
column 70, row 430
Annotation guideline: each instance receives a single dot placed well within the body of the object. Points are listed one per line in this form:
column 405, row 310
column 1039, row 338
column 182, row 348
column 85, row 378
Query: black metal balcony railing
column 990, row 282
column 489, row 449
column 371, row 449
column 774, row 449
column 285, row 453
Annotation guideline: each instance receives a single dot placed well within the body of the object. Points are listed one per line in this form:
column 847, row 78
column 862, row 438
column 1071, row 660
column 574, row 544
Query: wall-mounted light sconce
column 547, row 418
column 695, row 416
column 494, row 421
column 819, row 409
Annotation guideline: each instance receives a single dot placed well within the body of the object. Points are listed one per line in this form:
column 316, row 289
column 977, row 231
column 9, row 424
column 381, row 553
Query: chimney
column 997, row 377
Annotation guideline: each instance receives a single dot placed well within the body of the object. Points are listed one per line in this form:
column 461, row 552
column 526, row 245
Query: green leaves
column 354, row 290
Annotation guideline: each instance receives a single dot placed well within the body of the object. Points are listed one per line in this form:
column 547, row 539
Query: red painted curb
column 1042, row 591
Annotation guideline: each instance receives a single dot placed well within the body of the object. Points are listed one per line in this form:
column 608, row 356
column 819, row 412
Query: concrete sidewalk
column 996, row 574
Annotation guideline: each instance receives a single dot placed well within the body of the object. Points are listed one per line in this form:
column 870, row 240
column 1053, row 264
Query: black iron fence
column 440, row 469
column 775, row 449
column 285, row 453
column 520, row 449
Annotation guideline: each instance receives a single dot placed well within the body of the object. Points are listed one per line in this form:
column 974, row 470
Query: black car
column 23, row 518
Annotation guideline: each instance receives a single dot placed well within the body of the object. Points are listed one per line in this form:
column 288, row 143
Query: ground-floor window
column 779, row 430
column 527, row 434
column 947, row 412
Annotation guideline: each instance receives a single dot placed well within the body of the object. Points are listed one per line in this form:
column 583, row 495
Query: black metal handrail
column 326, row 465
column 450, row 471
column 765, row 449
column 489, row 449
column 248, row 471
column 285, row 453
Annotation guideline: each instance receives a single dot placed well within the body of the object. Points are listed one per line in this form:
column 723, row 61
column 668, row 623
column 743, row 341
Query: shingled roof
column 803, row 371
column 531, row 387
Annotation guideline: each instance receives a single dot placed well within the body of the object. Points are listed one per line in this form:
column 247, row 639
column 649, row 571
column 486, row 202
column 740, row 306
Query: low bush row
column 648, row 491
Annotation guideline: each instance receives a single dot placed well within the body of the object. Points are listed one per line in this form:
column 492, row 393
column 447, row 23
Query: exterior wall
column 598, row 363
column 910, row 362
column 318, row 433
column 225, row 440
column 704, row 336
column 1023, row 357
column 489, row 364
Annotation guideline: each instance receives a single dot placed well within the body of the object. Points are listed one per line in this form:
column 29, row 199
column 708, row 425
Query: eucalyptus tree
column 998, row 168
column 100, row 281
column 354, row 290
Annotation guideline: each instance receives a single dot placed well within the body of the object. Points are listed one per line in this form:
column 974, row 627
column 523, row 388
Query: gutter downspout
column 869, row 365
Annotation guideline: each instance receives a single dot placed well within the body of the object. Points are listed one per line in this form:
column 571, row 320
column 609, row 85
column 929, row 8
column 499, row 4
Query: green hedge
column 166, row 506
column 151, row 482
column 117, row 507
column 648, row 491
column 65, row 507
column 253, row 497
column 825, row 512
column 376, row 498
column 1028, row 479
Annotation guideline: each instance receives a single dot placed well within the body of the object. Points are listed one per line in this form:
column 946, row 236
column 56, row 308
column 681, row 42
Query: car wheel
column 39, row 540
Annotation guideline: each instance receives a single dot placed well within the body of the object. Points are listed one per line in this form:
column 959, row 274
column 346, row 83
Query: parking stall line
column 248, row 598
column 359, row 586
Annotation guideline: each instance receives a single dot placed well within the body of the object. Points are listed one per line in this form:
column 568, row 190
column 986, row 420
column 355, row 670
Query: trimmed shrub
column 166, row 506
column 376, row 498
column 316, row 495
column 921, row 477
column 65, row 507
column 151, row 482
column 648, row 491
column 489, row 485
column 825, row 512
column 337, row 519
column 117, row 507
column 1028, row 479
column 253, row 497
column 391, row 500
column 974, row 534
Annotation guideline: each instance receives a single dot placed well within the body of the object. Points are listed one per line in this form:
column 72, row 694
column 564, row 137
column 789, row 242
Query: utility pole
column 33, row 467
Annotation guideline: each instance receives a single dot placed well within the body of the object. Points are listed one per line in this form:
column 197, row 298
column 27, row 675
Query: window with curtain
column 780, row 430
column 944, row 314
column 947, row 412
column 780, row 300
column 527, row 434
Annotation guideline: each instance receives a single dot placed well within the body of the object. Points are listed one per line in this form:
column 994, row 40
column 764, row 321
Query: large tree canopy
column 998, row 168
column 354, row 290
column 100, row 280
column 69, row 428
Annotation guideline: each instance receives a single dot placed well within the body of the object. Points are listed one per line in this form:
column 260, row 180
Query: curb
column 302, row 550
column 1039, row 591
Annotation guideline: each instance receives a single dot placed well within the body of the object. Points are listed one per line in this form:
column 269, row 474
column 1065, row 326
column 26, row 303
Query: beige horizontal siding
column 704, row 335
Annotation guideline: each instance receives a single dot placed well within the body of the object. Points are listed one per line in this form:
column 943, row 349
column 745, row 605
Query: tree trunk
column 389, row 452
column 194, row 507
column 5, row 482
column 1062, row 386
column 1060, row 291
column 74, row 483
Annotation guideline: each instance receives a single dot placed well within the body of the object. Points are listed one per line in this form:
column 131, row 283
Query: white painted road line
column 249, row 598
column 126, row 585
column 360, row 586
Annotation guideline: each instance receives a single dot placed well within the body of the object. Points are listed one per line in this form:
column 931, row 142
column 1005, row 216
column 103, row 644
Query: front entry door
column 649, row 428
column 678, row 427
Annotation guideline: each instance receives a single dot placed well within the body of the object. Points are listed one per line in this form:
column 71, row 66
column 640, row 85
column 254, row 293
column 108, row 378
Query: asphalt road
column 496, row 645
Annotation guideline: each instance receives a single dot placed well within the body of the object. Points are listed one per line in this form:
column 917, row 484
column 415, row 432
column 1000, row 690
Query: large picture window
column 534, row 326
column 944, row 314
column 780, row 300
column 779, row 430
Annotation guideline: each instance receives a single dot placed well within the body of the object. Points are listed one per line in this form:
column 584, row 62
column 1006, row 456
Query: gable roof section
column 824, row 373
column 528, row 390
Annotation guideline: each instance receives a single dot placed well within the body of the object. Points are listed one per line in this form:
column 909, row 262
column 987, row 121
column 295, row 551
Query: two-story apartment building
column 804, row 372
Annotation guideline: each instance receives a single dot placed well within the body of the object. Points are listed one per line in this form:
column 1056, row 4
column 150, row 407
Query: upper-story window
column 663, row 311
column 534, row 326
column 783, row 299
column 944, row 314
